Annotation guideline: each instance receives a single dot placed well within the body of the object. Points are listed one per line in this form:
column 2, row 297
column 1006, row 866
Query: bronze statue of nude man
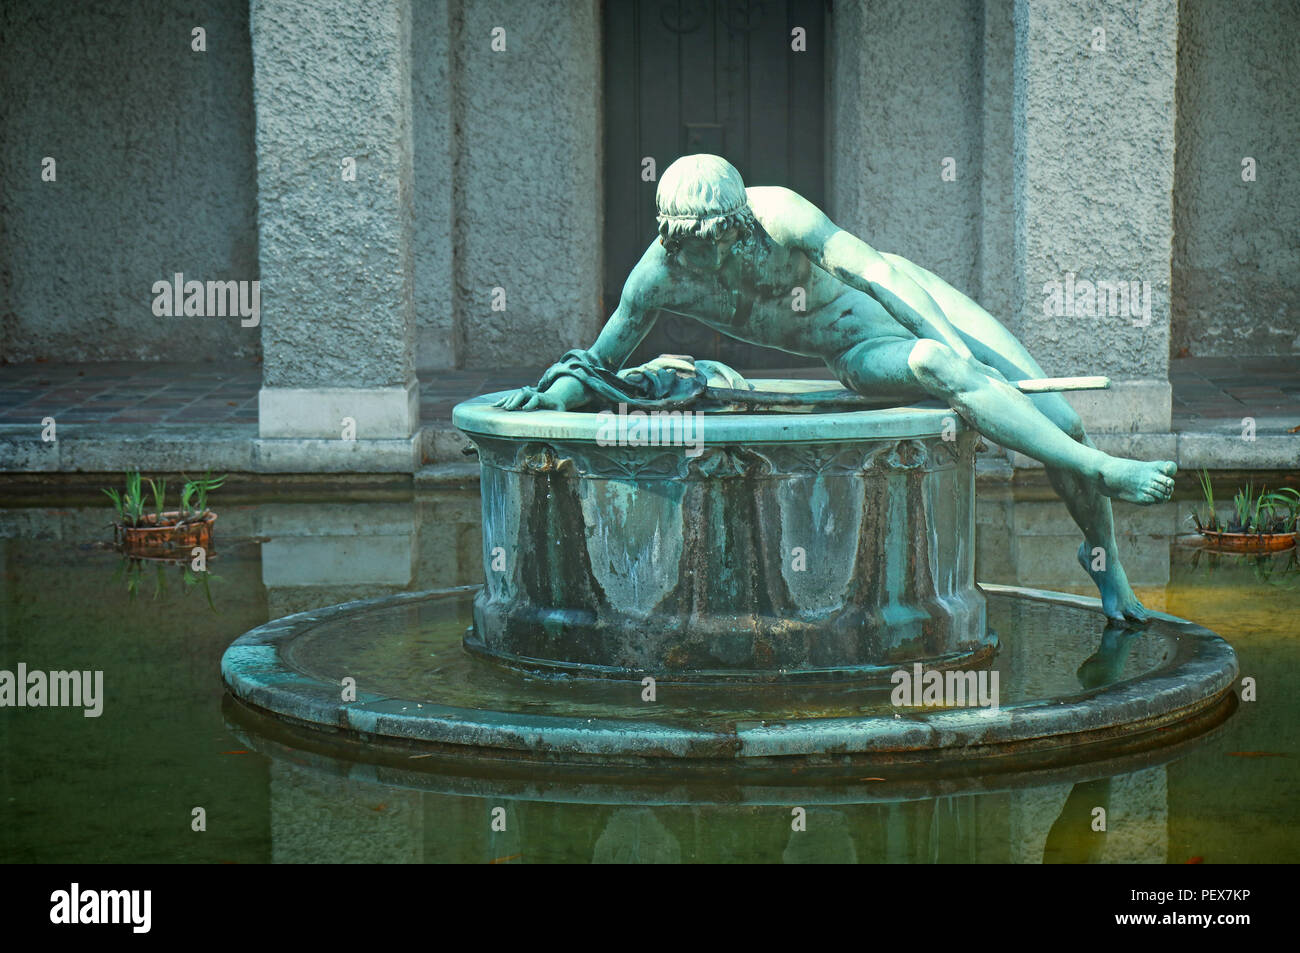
column 732, row 257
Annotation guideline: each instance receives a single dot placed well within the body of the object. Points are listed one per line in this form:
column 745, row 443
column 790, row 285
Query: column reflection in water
column 320, row 554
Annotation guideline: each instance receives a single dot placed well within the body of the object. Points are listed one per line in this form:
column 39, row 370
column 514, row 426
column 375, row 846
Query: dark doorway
column 719, row 76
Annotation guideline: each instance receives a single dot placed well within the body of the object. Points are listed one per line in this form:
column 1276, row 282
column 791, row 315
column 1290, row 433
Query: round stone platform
column 1070, row 688
column 726, row 547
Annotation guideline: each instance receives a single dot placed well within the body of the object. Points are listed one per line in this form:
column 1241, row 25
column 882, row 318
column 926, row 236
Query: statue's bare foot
column 1117, row 597
column 1138, row 481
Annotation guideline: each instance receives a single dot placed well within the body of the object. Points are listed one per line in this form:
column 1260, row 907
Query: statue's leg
column 1091, row 510
column 998, row 410
column 997, row 347
column 1080, row 473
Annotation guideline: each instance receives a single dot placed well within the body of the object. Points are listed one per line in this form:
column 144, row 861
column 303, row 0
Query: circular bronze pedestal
column 715, row 547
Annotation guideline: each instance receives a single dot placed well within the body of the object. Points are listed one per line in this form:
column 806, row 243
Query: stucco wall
column 904, row 93
column 155, row 175
column 996, row 290
column 528, row 178
column 1236, row 265
column 156, row 170
column 336, row 253
column 437, row 343
column 1094, row 178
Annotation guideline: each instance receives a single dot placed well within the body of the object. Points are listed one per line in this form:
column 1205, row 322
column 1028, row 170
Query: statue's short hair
column 701, row 196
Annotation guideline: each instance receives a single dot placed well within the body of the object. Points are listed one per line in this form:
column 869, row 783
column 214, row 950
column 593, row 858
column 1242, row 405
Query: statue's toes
column 1134, row 612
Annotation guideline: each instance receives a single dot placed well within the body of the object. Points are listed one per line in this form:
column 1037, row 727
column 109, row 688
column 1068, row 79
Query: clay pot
column 1250, row 542
column 171, row 538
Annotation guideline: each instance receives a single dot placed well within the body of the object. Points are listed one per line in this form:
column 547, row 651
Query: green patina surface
column 776, row 546
column 766, row 266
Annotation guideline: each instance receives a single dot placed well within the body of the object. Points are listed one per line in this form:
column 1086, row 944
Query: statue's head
column 703, row 210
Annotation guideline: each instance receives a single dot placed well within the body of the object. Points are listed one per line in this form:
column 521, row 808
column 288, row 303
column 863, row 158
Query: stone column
column 996, row 249
column 529, row 191
column 321, row 554
column 437, row 343
column 1094, row 171
column 903, row 104
column 332, row 89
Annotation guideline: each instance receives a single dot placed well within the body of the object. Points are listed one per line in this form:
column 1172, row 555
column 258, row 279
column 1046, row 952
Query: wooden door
column 719, row 76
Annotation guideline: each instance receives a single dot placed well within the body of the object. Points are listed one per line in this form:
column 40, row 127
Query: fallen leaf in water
column 1198, row 859
column 381, row 806
column 1258, row 754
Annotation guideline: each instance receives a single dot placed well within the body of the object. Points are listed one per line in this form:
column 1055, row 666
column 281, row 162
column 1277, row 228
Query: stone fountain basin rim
column 392, row 766
column 1201, row 673
column 477, row 416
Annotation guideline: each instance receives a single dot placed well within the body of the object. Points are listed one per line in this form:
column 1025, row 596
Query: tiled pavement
column 182, row 394
column 440, row 391
column 1206, row 391
column 128, row 393
column 1215, row 394
column 1211, row 395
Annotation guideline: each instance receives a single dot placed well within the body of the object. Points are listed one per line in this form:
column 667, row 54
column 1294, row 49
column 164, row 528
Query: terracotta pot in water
column 1250, row 542
column 171, row 538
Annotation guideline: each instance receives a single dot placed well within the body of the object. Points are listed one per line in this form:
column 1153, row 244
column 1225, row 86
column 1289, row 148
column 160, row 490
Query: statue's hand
column 530, row 398
column 676, row 362
column 992, row 372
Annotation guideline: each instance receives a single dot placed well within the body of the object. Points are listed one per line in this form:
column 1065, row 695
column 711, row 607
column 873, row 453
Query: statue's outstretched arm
column 625, row 329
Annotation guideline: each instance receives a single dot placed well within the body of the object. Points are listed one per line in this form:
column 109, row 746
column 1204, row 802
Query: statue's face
column 707, row 254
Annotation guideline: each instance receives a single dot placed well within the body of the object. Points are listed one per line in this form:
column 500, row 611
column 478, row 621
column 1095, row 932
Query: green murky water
column 124, row 786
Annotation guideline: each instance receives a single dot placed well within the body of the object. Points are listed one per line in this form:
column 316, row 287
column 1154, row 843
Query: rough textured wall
column 904, row 93
column 1094, row 177
column 528, row 179
column 432, row 250
column 1236, row 266
column 153, row 144
column 996, row 290
column 333, row 81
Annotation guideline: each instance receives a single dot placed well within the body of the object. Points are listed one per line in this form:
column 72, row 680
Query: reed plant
column 130, row 504
column 1265, row 512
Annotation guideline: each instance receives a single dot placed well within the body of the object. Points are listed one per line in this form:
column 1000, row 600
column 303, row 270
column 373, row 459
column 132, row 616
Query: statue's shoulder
column 785, row 214
column 654, row 260
column 773, row 199
column 649, row 274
